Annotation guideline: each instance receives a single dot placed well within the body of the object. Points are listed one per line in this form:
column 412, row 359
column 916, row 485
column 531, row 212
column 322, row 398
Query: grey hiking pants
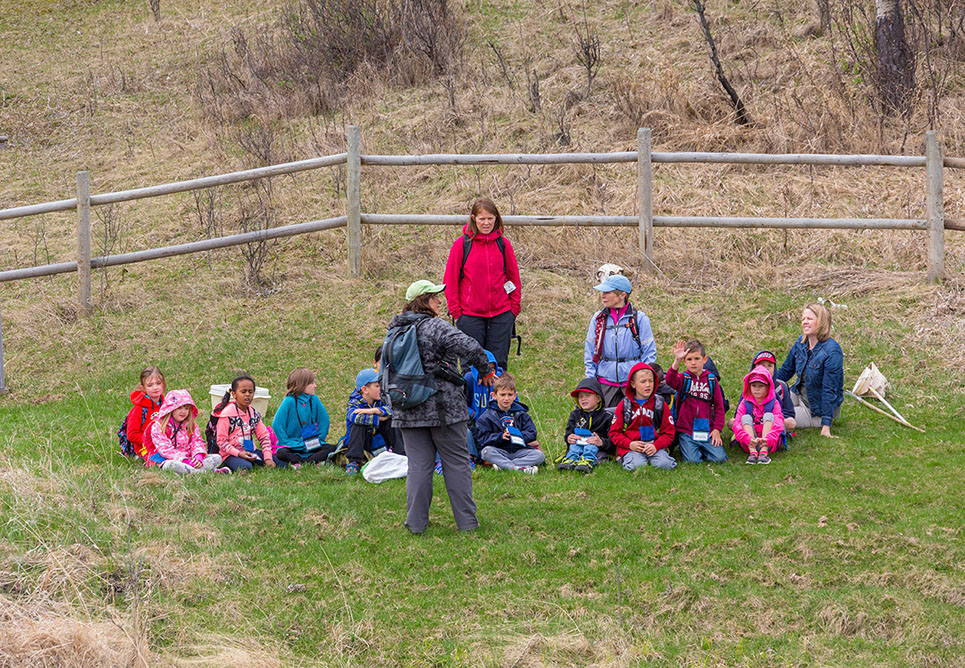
column 421, row 446
column 802, row 413
column 501, row 459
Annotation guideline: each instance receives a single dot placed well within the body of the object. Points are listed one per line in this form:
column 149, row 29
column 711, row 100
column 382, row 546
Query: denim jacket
column 822, row 376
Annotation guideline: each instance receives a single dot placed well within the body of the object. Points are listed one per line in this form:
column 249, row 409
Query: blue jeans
column 587, row 452
column 661, row 459
column 693, row 451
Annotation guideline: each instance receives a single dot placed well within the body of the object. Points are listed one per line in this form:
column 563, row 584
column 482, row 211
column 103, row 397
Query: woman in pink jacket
column 759, row 423
column 177, row 438
column 482, row 281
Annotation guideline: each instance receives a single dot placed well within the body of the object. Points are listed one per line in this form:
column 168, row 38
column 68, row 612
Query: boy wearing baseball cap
column 588, row 428
column 368, row 428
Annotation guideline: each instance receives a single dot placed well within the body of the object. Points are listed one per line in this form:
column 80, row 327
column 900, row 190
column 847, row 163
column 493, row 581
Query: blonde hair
column 189, row 423
column 823, row 316
column 299, row 379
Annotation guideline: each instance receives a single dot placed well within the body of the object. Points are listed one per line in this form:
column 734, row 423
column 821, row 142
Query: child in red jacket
column 147, row 398
column 638, row 442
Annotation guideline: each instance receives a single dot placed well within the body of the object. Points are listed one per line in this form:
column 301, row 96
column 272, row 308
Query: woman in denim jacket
column 817, row 361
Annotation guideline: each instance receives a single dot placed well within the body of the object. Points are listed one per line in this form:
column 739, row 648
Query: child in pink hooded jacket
column 759, row 423
column 176, row 437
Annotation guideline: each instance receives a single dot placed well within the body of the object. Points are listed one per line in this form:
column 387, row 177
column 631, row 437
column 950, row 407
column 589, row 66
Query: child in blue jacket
column 506, row 432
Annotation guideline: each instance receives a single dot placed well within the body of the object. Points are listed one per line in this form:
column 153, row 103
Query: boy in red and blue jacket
column 642, row 427
column 698, row 404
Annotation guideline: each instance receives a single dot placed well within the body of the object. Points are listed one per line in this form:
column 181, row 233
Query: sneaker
column 583, row 466
column 438, row 468
column 352, row 468
column 472, row 464
column 763, row 458
column 223, row 469
column 528, row 470
column 751, row 458
column 295, row 466
column 567, row 464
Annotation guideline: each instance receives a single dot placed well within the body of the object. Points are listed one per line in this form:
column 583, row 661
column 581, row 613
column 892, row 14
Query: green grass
column 842, row 552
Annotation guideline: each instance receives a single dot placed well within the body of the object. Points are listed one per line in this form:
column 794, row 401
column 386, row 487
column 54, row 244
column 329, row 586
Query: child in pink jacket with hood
column 759, row 423
column 176, row 437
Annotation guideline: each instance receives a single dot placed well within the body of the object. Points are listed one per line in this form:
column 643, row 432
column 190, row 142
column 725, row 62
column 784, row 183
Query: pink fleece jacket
column 480, row 291
column 177, row 444
column 768, row 410
column 234, row 426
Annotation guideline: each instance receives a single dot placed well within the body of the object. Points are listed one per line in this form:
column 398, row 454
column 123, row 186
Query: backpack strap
column 635, row 328
column 467, row 246
column 657, row 413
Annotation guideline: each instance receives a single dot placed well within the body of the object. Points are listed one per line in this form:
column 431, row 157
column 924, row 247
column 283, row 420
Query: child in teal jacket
column 301, row 423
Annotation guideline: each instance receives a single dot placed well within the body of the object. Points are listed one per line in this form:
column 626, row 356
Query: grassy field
column 842, row 552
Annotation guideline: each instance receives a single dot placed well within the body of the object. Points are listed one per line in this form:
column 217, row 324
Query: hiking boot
column 568, row 464
column 351, row 468
column 528, row 470
column 763, row 458
column 583, row 466
column 751, row 458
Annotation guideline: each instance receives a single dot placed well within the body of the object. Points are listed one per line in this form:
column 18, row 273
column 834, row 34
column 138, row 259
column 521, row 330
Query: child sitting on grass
column 587, row 429
column 766, row 359
column 238, row 425
column 506, row 432
column 368, row 424
column 147, row 398
column 176, row 437
column 642, row 427
column 478, row 397
column 698, row 404
column 301, row 423
column 758, row 423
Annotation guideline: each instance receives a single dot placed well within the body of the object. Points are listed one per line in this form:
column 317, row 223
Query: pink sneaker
column 223, row 469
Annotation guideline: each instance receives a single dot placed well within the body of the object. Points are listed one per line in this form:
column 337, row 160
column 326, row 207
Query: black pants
column 315, row 457
column 359, row 440
column 493, row 334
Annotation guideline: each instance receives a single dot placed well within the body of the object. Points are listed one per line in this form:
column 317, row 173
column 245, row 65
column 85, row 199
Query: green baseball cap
column 423, row 287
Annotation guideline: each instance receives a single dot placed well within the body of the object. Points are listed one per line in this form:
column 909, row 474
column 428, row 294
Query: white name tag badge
column 312, row 444
column 701, row 436
column 509, row 286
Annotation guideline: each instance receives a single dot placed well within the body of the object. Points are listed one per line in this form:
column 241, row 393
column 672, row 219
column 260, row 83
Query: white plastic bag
column 386, row 466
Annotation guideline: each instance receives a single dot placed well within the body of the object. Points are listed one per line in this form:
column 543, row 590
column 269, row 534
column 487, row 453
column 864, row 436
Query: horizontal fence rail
column 180, row 249
column 933, row 161
column 659, row 221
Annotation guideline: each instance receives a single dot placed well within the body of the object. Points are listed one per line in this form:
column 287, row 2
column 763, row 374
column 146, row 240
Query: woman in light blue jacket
column 818, row 362
column 618, row 337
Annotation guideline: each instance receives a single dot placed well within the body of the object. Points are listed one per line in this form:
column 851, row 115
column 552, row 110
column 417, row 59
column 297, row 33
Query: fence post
column 3, row 376
column 354, row 204
column 83, row 243
column 935, row 207
column 645, row 198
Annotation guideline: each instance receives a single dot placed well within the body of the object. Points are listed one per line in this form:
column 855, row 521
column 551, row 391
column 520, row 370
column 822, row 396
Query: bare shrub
column 108, row 238
column 306, row 62
column 589, row 52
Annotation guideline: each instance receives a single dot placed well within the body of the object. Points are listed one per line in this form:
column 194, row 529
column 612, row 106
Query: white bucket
column 260, row 402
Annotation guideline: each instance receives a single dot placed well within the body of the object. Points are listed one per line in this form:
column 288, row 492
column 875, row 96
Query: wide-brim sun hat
column 423, row 287
column 615, row 282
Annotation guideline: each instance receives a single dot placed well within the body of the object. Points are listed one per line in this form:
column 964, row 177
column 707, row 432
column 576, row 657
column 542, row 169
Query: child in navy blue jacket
column 506, row 433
